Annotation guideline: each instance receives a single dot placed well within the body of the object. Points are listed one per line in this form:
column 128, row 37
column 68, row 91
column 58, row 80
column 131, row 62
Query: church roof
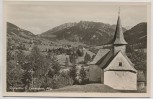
column 99, row 55
column 104, row 61
column 119, row 37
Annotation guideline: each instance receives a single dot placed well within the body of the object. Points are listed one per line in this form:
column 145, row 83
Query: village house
column 113, row 67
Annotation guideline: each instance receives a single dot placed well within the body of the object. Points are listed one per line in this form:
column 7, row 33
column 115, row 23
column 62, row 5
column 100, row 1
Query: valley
column 62, row 48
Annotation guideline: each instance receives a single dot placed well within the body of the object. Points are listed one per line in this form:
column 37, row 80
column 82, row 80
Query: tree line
column 36, row 70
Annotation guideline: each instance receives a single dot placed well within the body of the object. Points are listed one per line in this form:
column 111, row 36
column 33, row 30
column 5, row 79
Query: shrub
column 82, row 76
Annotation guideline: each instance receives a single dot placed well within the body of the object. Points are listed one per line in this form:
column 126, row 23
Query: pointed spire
column 119, row 11
column 119, row 37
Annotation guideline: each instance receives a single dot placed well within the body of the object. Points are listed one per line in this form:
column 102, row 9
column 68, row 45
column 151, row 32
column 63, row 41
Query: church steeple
column 119, row 37
column 119, row 43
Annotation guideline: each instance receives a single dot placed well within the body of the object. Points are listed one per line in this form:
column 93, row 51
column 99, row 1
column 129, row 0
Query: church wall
column 121, row 80
column 119, row 62
column 94, row 73
column 102, row 76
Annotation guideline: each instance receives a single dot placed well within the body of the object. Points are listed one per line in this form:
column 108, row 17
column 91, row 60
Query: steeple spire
column 119, row 37
column 119, row 11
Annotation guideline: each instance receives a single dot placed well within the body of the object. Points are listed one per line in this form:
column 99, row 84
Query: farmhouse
column 113, row 67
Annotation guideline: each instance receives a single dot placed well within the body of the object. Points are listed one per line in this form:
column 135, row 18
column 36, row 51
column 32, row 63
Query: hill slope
column 15, row 30
column 16, row 35
column 92, row 33
column 137, row 36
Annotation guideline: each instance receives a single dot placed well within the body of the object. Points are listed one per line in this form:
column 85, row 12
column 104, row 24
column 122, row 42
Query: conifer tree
column 82, row 75
column 87, row 58
column 66, row 62
column 73, row 73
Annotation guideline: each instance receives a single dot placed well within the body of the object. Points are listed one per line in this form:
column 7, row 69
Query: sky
column 39, row 17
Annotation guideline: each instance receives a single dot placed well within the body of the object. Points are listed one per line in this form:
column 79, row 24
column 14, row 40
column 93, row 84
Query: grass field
column 94, row 88
column 87, row 88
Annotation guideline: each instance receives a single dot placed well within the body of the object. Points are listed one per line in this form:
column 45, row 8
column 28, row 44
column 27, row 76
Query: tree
column 73, row 57
column 37, row 61
column 67, row 62
column 80, row 52
column 82, row 75
column 52, row 71
column 9, row 55
column 36, row 66
column 139, row 59
column 14, row 77
column 54, row 82
column 14, row 70
column 93, row 57
column 87, row 58
column 73, row 73
column 10, row 65
column 23, row 47
column 52, row 61
column 55, row 65
column 19, row 57
column 26, row 79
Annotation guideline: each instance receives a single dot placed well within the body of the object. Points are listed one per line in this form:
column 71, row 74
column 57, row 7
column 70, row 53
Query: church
column 113, row 67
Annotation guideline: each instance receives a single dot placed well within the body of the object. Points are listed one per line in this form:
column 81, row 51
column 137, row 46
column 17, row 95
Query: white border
column 75, row 94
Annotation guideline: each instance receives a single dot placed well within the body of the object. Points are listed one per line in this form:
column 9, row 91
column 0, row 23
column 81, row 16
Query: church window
column 120, row 63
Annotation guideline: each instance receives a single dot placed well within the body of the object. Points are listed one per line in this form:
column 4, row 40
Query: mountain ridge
column 83, row 31
column 137, row 35
column 15, row 30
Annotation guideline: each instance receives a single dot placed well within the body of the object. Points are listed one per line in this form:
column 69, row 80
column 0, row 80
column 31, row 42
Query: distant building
column 113, row 67
column 81, row 58
column 64, row 60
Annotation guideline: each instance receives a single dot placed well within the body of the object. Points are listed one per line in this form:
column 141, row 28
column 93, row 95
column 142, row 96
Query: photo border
column 67, row 94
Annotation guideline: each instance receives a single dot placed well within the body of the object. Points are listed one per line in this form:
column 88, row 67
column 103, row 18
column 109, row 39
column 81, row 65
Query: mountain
column 16, row 35
column 128, row 27
column 18, row 38
column 15, row 30
column 91, row 33
column 114, row 27
column 58, row 28
column 137, row 35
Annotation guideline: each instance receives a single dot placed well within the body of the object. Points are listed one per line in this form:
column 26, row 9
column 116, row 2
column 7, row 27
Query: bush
column 58, row 81
column 82, row 76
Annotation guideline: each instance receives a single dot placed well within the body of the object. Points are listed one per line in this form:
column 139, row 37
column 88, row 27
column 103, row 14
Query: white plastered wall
column 121, row 80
